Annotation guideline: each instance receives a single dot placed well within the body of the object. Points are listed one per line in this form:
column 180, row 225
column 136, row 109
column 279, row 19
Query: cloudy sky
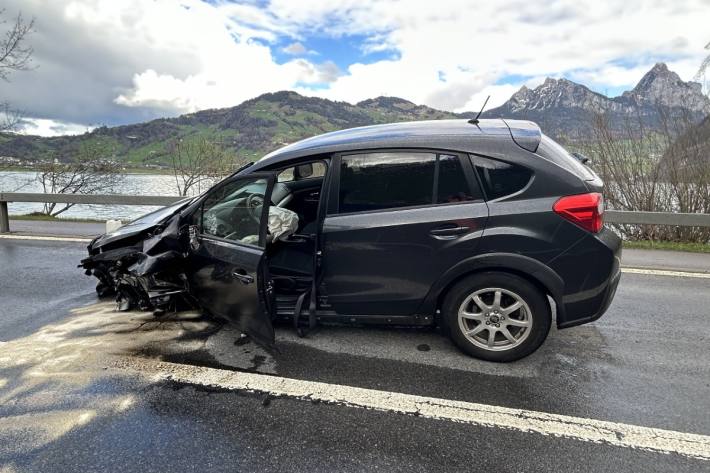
column 110, row 62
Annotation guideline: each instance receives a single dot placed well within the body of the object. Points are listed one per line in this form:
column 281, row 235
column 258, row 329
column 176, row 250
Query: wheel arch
column 528, row 268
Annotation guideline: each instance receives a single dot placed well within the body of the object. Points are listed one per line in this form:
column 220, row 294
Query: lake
column 132, row 184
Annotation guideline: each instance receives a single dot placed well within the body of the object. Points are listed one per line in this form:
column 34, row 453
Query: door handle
column 449, row 231
column 243, row 276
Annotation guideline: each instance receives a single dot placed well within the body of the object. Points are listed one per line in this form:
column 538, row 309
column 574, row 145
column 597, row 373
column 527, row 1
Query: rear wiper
column 581, row 158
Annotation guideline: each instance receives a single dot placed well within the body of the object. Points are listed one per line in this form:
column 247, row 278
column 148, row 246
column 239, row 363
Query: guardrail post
column 4, row 217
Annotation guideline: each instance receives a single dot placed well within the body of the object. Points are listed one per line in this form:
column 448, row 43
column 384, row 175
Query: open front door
column 227, row 240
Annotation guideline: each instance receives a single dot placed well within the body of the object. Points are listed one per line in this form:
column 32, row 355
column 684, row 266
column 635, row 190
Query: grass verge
column 668, row 245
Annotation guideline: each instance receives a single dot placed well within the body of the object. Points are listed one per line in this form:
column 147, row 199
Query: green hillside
column 251, row 129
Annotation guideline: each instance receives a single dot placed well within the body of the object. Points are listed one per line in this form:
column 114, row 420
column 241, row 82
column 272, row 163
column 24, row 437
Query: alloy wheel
column 495, row 319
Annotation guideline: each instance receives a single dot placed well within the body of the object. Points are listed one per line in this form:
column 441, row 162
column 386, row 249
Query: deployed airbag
column 282, row 223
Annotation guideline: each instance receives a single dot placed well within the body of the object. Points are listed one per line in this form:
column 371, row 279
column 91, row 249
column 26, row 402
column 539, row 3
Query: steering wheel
column 255, row 203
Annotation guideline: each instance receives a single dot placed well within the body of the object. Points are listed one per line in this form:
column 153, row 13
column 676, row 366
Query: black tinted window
column 452, row 185
column 500, row 179
column 377, row 181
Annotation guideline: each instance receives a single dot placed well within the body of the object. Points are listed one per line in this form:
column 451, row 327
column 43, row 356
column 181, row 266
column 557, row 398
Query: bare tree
column 199, row 163
column 654, row 162
column 89, row 171
column 15, row 55
column 10, row 117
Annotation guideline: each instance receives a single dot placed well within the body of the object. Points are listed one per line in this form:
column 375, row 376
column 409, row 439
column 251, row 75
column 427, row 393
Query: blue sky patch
column 343, row 51
column 512, row 79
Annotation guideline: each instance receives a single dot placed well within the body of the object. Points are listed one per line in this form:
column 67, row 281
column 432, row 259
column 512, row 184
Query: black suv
column 481, row 228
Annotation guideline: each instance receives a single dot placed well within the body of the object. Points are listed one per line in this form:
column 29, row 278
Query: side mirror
column 303, row 171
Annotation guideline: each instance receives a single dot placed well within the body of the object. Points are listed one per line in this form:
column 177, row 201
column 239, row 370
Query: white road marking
column 44, row 238
column 665, row 272
column 587, row 430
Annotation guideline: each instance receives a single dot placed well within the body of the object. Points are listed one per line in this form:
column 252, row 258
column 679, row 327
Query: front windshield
column 234, row 211
column 258, row 187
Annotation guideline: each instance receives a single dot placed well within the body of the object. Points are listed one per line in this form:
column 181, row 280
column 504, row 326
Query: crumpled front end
column 148, row 275
column 145, row 266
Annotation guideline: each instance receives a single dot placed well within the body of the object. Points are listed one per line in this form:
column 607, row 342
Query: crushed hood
column 142, row 224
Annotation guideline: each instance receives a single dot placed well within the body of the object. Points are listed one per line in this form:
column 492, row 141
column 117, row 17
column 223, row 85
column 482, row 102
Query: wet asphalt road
column 39, row 281
column 644, row 363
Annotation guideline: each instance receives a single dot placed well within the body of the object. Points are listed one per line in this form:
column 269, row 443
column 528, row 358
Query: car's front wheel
column 496, row 316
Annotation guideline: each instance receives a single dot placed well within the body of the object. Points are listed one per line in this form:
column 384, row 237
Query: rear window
column 499, row 178
column 553, row 151
column 387, row 180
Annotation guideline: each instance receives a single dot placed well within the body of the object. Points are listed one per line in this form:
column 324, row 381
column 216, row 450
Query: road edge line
column 589, row 430
column 665, row 272
column 44, row 238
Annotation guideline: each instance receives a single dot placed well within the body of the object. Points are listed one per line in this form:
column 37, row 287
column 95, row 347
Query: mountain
column 562, row 108
column 691, row 150
column 251, row 129
column 663, row 87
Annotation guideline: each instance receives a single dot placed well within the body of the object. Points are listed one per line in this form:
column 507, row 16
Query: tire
column 519, row 321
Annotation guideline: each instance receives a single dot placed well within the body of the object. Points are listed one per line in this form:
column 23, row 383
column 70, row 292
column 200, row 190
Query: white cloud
column 608, row 44
column 295, row 49
column 499, row 94
column 46, row 127
column 133, row 60
column 232, row 66
column 310, row 73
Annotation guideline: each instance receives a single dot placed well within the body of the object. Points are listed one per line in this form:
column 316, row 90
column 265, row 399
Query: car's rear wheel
column 496, row 316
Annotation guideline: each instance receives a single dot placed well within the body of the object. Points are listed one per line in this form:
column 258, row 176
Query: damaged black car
column 483, row 228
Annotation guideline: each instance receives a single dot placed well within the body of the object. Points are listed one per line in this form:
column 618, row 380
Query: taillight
column 585, row 210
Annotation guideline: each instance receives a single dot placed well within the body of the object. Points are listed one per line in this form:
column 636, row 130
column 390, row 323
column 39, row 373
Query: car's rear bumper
column 574, row 317
column 591, row 283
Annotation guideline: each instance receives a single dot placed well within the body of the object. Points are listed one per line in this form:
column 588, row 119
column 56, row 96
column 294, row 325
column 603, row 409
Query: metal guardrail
column 610, row 216
column 657, row 218
column 99, row 199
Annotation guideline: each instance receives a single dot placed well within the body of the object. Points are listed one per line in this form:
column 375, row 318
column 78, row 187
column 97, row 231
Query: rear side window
column 553, row 151
column 500, row 179
column 386, row 180
column 452, row 185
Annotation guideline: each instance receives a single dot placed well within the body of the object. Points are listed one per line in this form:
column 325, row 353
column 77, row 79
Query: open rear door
column 226, row 265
